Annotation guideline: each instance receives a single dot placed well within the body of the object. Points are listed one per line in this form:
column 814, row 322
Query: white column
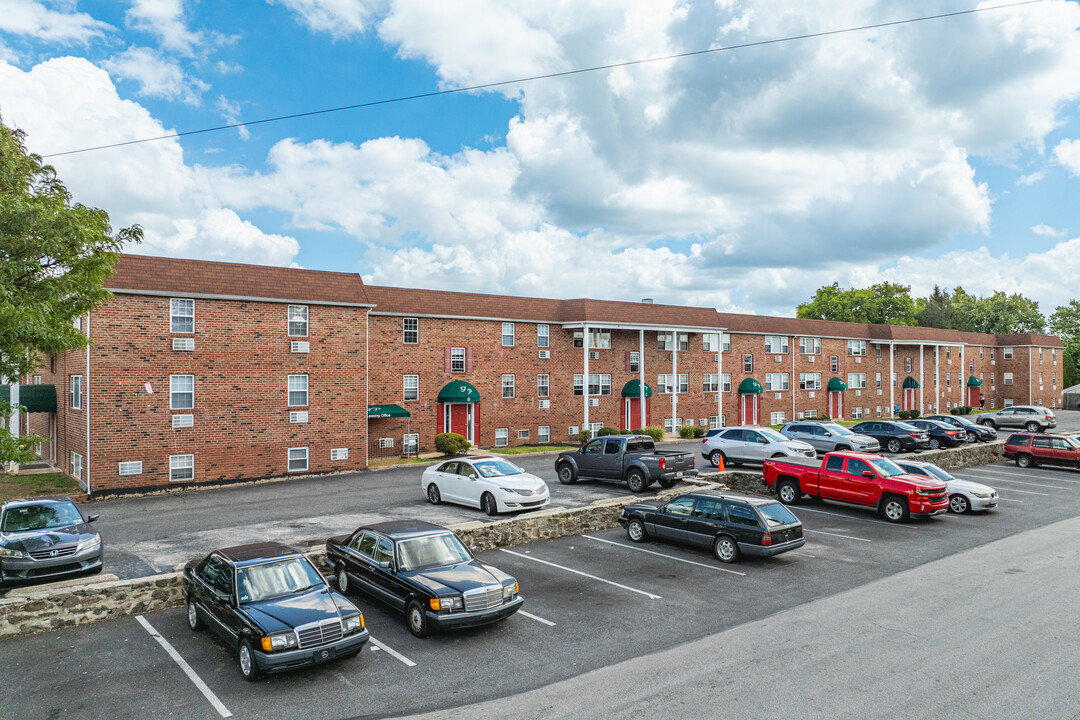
column 892, row 385
column 922, row 382
column 585, row 379
column 963, row 383
column 641, row 377
column 719, row 375
column 87, row 397
column 675, row 379
column 1029, row 375
column 937, row 379
column 792, row 382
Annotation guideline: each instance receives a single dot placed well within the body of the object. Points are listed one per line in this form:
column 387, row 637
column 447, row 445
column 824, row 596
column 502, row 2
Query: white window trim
column 543, row 434
column 173, row 315
column 76, row 465
column 502, row 437
column 512, row 334
column 172, row 393
column 289, row 391
column 545, row 336
column 512, row 386
column 289, row 460
column 75, row 398
column 464, row 359
column 405, row 388
column 289, row 321
column 405, row 331
column 545, row 386
column 129, row 467
column 174, row 466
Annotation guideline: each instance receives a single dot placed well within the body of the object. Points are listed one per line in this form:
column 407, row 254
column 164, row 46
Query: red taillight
column 766, row 539
column 914, row 434
column 1049, row 417
column 704, row 440
column 662, row 463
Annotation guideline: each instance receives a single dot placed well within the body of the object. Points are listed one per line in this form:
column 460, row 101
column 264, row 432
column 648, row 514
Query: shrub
column 699, row 432
column 657, row 434
column 908, row 414
column 966, row 410
column 686, row 431
column 584, row 436
column 451, row 443
column 626, row 432
column 824, row 418
column 607, row 431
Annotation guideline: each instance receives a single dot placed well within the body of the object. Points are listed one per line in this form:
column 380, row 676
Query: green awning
column 632, row 389
column 458, row 391
column 836, row 385
column 910, row 383
column 750, row 386
column 35, row 398
column 377, row 412
column 974, row 382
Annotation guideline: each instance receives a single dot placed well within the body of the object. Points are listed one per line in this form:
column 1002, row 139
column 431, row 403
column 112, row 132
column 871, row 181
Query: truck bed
column 804, row 462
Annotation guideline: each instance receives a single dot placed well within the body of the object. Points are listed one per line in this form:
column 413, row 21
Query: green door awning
column 458, row 391
column 750, row 386
column 35, row 398
column 632, row 389
column 377, row 412
column 974, row 382
column 836, row 385
column 911, row 383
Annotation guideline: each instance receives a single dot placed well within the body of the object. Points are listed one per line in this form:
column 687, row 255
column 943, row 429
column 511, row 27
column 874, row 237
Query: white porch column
column 922, row 382
column 641, row 378
column 585, row 379
column 675, row 379
column 963, row 380
column 1030, row 401
column 892, row 385
column 793, row 383
column 937, row 379
column 719, row 376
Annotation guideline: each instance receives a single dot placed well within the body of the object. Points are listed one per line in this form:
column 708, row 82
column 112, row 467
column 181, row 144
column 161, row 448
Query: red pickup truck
column 861, row 479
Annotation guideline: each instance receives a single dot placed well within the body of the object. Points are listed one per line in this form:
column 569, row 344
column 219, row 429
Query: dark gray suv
column 1032, row 418
column 46, row 537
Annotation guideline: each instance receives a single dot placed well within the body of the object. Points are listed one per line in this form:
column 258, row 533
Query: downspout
column 88, row 398
column 1029, row 374
column 720, row 380
column 892, row 381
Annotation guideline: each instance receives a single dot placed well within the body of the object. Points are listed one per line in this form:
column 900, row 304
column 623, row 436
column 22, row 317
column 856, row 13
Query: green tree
column 54, row 258
column 936, row 310
column 883, row 303
column 1065, row 323
column 1070, row 370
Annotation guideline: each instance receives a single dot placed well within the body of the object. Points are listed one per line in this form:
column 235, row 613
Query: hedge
column 451, row 443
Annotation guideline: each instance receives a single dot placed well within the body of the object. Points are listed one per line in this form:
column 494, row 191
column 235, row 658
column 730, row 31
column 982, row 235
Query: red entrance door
column 632, row 413
column 748, row 409
column 459, row 419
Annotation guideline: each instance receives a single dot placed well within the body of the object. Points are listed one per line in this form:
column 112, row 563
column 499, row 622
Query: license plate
column 678, row 474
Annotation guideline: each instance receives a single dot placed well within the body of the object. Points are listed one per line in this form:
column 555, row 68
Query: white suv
column 750, row 444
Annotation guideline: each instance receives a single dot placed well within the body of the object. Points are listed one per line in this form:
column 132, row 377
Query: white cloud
column 31, row 18
column 1067, row 153
column 1047, row 231
column 228, row 68
column 1031, row 178
column 230, row 113
column 157, row 75
column 165, row 19
column 339, row 18
column 220, row 234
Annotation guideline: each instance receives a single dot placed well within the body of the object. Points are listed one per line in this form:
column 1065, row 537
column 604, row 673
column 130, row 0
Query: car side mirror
column 763, row 441
column 223, row 597
column 92, row 518
column 828, row 434
column 473, row 549
column 384, row 564
column 868, row 473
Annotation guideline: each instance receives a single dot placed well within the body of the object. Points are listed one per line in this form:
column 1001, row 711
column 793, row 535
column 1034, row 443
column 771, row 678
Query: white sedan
column 490, row 483
column 964, row 495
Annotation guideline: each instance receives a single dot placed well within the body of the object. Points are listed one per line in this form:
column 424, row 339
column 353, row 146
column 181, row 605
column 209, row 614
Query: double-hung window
column 599, row 339
column 457, row 359
column 635, row 361
column 410, row 331
column 76, row 392
column 181, row 467
column 1007, row 353
column 856, row 347
column 508, row 386
column 877, row 381
column 181, row 392
column 411, row 387
column 508, row 334
column 543, row 389
column 665, row 341
column 725, row 382
column 543, row 434
column 182, row 315
column 710, row 342
column 809, row 381
column 599, row 384
column 856, row 381
column 710, row 383
column 298, row 321
column 775, row 382
column 666, row 383
column 298, row 390
column 834, row 364
column 748, row 363
column 907, row 364
column 76, row 466
column 543, row 339
column 776, row 344
column 298, row 459
column 810, row 345
column 502, row 436
column 725, row 342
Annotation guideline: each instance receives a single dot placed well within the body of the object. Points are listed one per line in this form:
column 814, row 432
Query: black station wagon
column 270, row 603
column 732, row 525
column 426, row 572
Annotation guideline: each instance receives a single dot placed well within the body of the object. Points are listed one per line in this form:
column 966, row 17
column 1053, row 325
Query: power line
column 547, row 76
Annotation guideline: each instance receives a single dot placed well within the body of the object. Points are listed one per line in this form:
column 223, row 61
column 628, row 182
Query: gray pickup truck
column 632, row 459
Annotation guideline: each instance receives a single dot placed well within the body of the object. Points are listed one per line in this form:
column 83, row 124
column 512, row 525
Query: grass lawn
column 521, row 449
column 17, row 486
column 401, row 461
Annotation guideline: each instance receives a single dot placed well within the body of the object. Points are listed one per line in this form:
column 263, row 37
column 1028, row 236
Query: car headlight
column 352, row 623
column 981, row 495
column 446, row 604
column 510, row 591
column 511, row 491
column 8, row 552
column 279, row 641
column 89, row 543
column 795, row 449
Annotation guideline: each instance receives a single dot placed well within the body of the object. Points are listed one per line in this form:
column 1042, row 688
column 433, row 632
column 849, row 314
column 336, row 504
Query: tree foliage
column 883, row 303
column 1065, row 323
column 54, row 258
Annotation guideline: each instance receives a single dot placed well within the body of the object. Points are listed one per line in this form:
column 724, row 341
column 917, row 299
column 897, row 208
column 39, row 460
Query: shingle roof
column 156, row 275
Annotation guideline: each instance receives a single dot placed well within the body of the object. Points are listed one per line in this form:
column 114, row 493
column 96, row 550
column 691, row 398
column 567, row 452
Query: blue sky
column 945, row 152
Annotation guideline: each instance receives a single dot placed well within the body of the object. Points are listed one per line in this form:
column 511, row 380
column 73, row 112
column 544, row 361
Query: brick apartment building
column 205, row 372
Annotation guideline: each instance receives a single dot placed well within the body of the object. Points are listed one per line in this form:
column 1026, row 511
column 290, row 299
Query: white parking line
column 649, row 595
column 852, row 517
column 846, row 537
column 376, row 644
column 1022, row 482
column 1011, row 474
column 536, row 618
column 1022, row 492
column 192, row 675
column 669, row 557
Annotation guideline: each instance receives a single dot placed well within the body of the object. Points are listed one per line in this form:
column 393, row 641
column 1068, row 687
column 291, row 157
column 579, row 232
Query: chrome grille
column 53, row 553
column 484, row 598
column 320, row 633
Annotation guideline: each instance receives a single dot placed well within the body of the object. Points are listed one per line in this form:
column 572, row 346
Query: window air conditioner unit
column 545, row 354
column 183, row 344
column 339, row 454
column 778, row 396
column 717, row 357
column 858, row 393
column 301, row 346
column 798, row 416
column 545, row 404
column 809, row 358
column 593, row 402
column 182, row 421
column 811, row 393
column 593, row 355
column 778, row 358
column 298, row 416
column 858, row 359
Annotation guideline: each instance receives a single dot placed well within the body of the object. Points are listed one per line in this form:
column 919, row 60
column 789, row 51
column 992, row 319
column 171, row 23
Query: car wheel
column 935, row 444
column 417, row 619
column 487, row 502
column 1032, row 427
column 788, row 492
column 248, row 667
column 895, row 509
column 841, row 448
column 635, row 530
column 193, row 620
column 725, row 549
column 715, row 457
column 342, row 580
column 433, row 495
column 972, row 438
column 959, row 504
column 636, row 481
column 567, row 476
column 893, row 445
column 1025, row 461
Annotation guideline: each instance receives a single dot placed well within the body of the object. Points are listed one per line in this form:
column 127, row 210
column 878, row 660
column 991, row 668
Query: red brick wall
column 69, row 425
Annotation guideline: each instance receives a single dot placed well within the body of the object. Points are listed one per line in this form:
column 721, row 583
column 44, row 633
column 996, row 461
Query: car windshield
column 777, row 514
column 275, row 579
column 939, row 473
column 497, row 468
column 962, row 421
column 40, row 517
column 431, row 551
column 1072, row 441
column 837, row 429
column 773, row 436
column 886, row 468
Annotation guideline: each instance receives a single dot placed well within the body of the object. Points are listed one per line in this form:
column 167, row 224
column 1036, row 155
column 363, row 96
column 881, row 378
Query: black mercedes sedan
column 730, row 524
column 46, row 538
column 894, row 436
column 426, row 572
column 270, row 603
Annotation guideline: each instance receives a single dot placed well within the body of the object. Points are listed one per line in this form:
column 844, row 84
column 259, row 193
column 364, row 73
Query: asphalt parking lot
column 592, row 601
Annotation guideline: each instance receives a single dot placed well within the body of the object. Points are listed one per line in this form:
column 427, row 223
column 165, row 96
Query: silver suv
column 750, row 444
column 1032, row 418
column 827, row 437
